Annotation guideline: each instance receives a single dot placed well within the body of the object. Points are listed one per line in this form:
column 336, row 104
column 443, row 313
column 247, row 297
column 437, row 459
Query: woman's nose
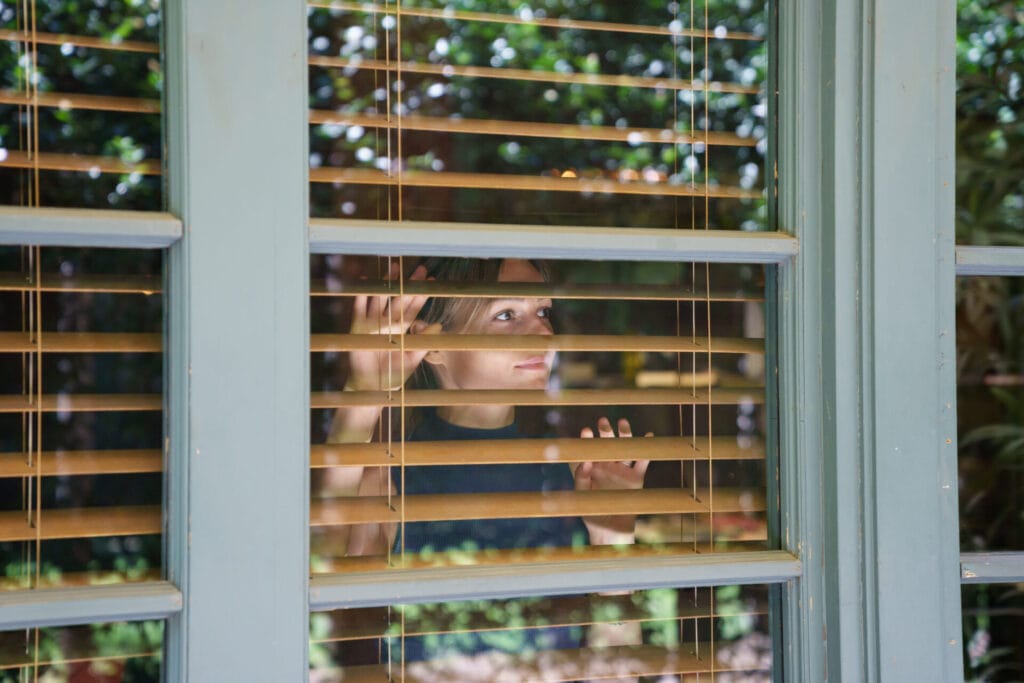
column 539, row 325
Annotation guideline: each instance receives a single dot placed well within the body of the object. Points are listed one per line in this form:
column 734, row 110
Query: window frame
column 237, row 470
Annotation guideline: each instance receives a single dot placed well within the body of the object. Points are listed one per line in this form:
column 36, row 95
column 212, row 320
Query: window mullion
column 238, row 340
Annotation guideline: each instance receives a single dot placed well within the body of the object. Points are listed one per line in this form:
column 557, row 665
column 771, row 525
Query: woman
column 474, row 370
column 468, row 370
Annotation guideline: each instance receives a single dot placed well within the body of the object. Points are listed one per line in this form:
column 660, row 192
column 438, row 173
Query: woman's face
column 501, row 369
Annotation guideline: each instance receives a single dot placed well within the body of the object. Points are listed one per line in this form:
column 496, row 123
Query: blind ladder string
column 34, row 90
column 707, row 296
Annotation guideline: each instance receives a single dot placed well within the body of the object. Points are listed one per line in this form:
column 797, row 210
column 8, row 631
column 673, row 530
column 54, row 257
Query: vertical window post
column 238, row 347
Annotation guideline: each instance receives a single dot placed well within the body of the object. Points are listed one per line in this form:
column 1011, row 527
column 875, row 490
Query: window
column 866, row 446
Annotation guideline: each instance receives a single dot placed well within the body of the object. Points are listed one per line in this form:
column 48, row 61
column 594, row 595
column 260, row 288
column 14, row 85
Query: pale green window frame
column 866, row 429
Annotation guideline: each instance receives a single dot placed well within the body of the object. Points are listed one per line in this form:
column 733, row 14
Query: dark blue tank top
column 486, row 534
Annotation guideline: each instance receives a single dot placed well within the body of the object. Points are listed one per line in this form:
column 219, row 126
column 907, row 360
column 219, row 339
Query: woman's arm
column 611, row 529
column 372, row 371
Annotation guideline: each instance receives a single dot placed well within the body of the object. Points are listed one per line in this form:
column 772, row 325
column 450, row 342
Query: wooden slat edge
column 472, row 506
column 419, row 398
column 320, row 343
column 97, row 522
column 75, row 463
column 82, row 403
column 81, row 342
column 424, row 453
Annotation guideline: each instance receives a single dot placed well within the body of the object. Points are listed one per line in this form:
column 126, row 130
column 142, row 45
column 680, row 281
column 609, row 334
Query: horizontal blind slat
column 374, row 563
column 97, row 522
column 559, row 342
column 509, row 181
column 82, row 403
column 513, row 451
column 567, row 23
column 77, row 579
column 561, row 131
column 59, row 100
column 529, row 290
column 420, row 398
column 79, row 41
column 565, row 78
column 528, row 505
column 81, row 342
column 110, row 284
column 82, row 163
column 73, row 463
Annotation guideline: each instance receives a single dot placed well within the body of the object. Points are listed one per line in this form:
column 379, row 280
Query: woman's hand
column 624, row 474
column 378, row 370
column 386, row 315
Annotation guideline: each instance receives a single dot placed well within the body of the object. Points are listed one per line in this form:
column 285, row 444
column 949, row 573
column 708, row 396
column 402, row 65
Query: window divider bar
column 439, row 584
column 346, row 236
column 88, row 227
column 88, row 605
column 999, row 567
column 989, row 261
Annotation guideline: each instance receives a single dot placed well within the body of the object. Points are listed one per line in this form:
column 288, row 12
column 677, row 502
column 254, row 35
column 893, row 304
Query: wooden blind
column 687, row 633
column 80, row 105
column 604, row 114
column 80, row 456
column 99, row 652
column 655, row 361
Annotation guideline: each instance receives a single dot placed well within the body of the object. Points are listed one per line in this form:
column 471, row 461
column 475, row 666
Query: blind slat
column 561, row 131
column 565, row 78
column 52, row 161
column 114, row 284
column 79, row 41
column 76, row 403
column 87, row 578
column 528, row 505
column 528, row 290
column 136, row 105
column 559, row 342
column 420, row 398
column 135, row 520
column 326, row 564
column 13, row 654
column 514, row 451
column 565, row 23
column 508, row 181
column 75, row 463
column 81, row 342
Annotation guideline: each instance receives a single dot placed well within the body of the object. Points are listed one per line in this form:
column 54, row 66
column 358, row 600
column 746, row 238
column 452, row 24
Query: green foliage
column 990, row 122
column 132, row 137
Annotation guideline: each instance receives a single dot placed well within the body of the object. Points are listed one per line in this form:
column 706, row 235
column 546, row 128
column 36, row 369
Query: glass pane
column 509, row 363
column 80, row 416
column 604, row 114
column 99, row 653
column 990, row 123
column 993, row 632
column 80, row 87
column 990, row 412
column 686, row 634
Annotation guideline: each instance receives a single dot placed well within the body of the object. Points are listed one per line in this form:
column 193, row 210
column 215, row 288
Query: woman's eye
column 544, row 312
column 504, row 316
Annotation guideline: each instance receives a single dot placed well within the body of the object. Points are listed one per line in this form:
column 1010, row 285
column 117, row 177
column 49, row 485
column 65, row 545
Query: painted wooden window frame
column 867, row 457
